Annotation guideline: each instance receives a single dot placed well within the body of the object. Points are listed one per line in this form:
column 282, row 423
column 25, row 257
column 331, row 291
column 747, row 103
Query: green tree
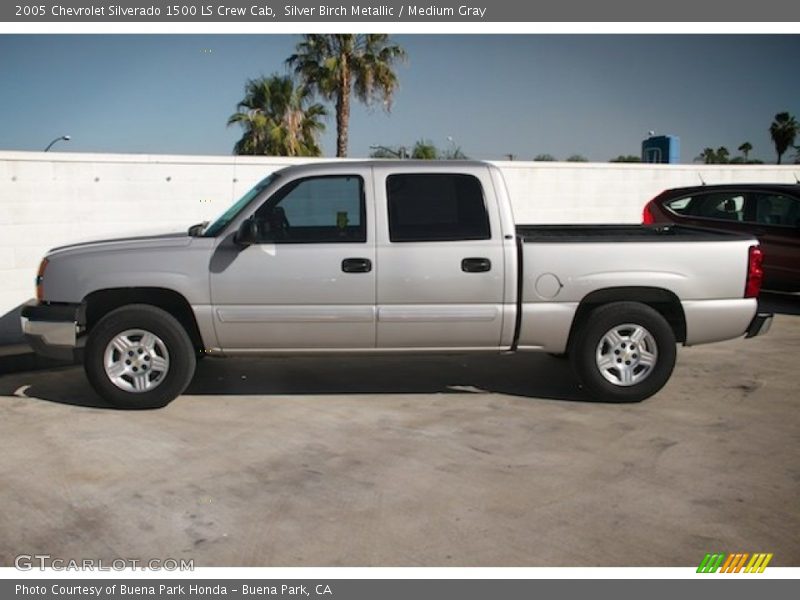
column 708, row 156
column 745, row 150
column 714, row 157
column 783, row 131
column 577, row 158
column 425, row 150
column 278, row 119
column 544, row 158
column 337, row 65
column 454, row 152
column 422, row 150
column 626, row 158
column 388, row 152
column 721, row 156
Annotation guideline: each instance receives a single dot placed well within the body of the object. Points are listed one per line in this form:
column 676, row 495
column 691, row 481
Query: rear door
column 777, row 225
column 440, row 259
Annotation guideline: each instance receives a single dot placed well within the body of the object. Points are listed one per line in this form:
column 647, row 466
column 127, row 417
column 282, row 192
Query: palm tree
column 424, row 150
column 745, row 149
column 336, row 65
column 708, row 156
column 722, row 155
column 783, row 131
column 278, row 119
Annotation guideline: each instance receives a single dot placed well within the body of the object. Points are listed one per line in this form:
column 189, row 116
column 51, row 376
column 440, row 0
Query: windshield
column 228, row 216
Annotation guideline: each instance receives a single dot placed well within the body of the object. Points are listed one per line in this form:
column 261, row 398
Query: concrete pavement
column 437, row 461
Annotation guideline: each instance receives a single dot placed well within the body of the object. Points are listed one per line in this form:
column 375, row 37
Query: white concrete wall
column 52, row 199
column 614, row 192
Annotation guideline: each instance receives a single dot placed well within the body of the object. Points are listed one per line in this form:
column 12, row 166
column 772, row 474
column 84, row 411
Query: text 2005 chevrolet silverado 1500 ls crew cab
column 384, row 256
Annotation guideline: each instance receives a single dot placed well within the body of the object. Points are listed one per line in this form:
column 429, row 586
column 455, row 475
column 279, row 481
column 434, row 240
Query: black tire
column 585, row 350
column 171, row 335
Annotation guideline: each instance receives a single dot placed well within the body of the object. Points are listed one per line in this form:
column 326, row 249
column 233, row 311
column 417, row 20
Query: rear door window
column 777, row 209
column 436, row 207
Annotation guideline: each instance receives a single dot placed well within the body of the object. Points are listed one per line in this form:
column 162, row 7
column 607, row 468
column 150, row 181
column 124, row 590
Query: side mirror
column 247, row 234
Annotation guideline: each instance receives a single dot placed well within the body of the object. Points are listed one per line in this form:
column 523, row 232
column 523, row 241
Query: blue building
column 662, row 149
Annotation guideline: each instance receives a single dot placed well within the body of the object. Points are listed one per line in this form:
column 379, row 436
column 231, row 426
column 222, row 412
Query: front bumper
column 759, row 325
column 53, row 330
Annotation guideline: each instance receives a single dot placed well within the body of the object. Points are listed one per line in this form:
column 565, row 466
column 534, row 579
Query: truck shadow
column 534, row 376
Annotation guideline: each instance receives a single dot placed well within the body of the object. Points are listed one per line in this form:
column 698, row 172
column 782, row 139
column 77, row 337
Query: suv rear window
column 435, row 207
column 727, row 206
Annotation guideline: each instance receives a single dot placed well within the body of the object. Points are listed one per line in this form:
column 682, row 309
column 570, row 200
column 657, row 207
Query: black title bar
column 308, row 11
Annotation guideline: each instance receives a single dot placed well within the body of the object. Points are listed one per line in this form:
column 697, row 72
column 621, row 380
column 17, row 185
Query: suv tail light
column 755, row 272
column 647, row 214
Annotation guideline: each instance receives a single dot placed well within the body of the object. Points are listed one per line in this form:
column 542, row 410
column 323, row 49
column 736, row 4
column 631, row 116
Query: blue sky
column 493, row 94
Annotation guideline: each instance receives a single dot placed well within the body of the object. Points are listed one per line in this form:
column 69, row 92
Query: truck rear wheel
column 139, row 356
column 624, row 352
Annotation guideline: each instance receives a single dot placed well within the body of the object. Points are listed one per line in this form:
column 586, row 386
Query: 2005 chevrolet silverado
column 392, row 256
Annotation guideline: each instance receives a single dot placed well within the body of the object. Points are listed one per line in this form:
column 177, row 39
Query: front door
column 309, row 282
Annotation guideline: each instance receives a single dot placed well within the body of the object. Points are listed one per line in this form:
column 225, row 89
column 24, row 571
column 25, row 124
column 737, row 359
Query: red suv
column 771, row 212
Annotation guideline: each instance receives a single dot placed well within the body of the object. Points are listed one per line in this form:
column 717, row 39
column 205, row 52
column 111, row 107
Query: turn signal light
column 755, row 272
column 40, row 280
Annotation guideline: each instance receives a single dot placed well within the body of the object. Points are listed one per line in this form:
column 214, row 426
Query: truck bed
column 622, row 233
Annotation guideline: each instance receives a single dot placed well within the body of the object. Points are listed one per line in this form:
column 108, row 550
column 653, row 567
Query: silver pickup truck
column 391, row 256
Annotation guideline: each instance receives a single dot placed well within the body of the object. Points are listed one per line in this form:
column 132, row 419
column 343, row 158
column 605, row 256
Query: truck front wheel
column 624, row 352
column 139, row 356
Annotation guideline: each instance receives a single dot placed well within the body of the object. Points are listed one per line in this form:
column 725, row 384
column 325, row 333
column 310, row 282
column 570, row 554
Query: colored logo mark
column 734, row 563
